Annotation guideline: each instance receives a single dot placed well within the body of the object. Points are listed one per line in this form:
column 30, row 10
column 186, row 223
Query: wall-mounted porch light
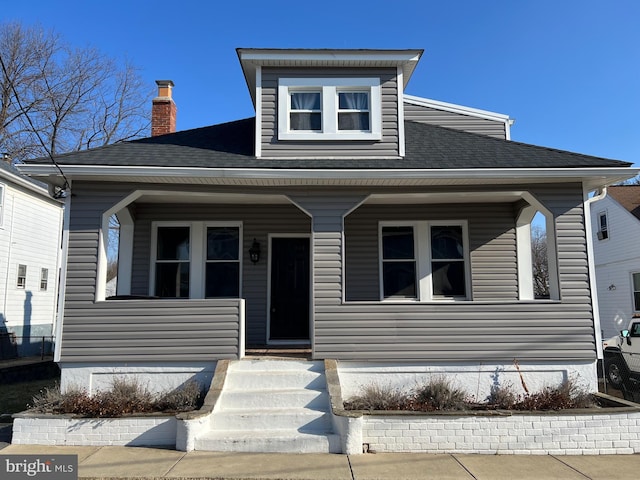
column 254, row 252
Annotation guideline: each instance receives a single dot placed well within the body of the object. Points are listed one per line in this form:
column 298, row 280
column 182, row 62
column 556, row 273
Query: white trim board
column 461, row 109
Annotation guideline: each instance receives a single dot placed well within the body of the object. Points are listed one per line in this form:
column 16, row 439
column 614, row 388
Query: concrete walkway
column 151, row 463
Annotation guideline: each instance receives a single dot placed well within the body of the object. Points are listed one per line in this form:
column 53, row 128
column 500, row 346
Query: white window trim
column 603, row 213
column 19, row 285
column 154, row 252
column 2, row 206
column 329, row 97
column 44, row 279
column 633, row 292
column 197, row 254
column 204, row 262
column 422, row 254
column 416, row 259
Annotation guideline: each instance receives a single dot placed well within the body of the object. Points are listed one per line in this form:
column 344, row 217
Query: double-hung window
column 172, row 262
column 329, row 109
column 354, row 111
column 44, row 279
column 305, row 112
column 424, row 261
column 603, row 227
column 635, row 285
column 398, row 262
column 448, row 261
column 1, row 204
column 222, row 274
column 22, row 277
column 196, row 260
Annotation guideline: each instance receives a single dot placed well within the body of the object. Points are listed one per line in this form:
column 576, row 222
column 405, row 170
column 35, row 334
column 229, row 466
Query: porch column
column 125, row 252
column 523, row 249
column 327, row 248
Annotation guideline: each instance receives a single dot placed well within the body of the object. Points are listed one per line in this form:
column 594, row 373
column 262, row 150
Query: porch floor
column 300, row 352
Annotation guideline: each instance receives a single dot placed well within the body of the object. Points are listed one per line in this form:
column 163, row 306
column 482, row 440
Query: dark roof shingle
column 231, row 145
column 628, row 196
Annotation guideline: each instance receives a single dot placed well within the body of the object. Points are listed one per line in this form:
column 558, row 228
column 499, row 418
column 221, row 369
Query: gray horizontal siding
column 151, row 330
column 493, row 327
column 492, row 245
column 571, row 241
column 154, row 324
column 161, row 330
column 257, row 222
column 478, row 331
column 272, row 147
column 458, row 121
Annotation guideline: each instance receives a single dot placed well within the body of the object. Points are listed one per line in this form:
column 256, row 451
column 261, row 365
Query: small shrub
column 502, row 396
column 188, row 397
column 48, row 399
column 439, row 394
column 126, row 396
column 566, row 395
column 377, row 397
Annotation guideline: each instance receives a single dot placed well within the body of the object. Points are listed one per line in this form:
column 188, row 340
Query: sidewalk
column 148, row 463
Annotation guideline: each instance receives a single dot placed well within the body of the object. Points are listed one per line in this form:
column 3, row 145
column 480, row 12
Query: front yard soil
column 15, row 397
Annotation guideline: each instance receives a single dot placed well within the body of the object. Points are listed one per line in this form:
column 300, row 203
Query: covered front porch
column 310, row 268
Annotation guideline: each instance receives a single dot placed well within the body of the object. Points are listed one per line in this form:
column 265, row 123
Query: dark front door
column 289, row 308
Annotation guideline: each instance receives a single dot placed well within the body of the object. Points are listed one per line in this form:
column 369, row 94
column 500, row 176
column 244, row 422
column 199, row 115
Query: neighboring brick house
column 387, row 231
column 615, row 221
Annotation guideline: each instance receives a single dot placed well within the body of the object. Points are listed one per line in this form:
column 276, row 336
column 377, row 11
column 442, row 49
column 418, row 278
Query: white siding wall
column 30, row 235
column 615, row 259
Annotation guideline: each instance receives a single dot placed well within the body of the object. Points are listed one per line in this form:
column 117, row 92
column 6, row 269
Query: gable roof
column 428, row 147
column 628, row 196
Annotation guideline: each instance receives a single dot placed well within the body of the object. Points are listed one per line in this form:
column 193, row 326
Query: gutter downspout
column 63, row 278
column 602, row 192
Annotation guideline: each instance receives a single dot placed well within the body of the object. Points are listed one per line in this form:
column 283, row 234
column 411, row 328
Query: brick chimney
column 163, row 110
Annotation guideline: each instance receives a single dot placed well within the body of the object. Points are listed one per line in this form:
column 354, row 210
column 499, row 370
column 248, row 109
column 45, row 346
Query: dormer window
column 305, row 112
column 329, row 109
column 353, row 111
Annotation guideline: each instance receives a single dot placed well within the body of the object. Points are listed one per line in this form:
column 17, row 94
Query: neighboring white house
column 615, row 223
column 30, row 232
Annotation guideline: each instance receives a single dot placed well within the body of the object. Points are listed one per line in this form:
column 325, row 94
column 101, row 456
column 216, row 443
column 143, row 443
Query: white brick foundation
column 529, row 434
column 131, row 431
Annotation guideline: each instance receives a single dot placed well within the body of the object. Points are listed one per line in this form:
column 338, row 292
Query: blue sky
column 567, row 71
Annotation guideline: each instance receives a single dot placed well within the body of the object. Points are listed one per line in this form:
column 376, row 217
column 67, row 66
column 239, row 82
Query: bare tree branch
column 56, row 98
column 540, row 262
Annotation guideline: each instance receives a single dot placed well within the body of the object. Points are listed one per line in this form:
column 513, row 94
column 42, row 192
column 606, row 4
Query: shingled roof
column 628, row 196
column 9, row 171
column 231, row 145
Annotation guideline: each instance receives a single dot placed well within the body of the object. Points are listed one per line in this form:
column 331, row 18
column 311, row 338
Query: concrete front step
column 272, row 398
column 276, row 365
column 272, row 406
column 273, row 441
column 277, row 380
column 272, row 419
